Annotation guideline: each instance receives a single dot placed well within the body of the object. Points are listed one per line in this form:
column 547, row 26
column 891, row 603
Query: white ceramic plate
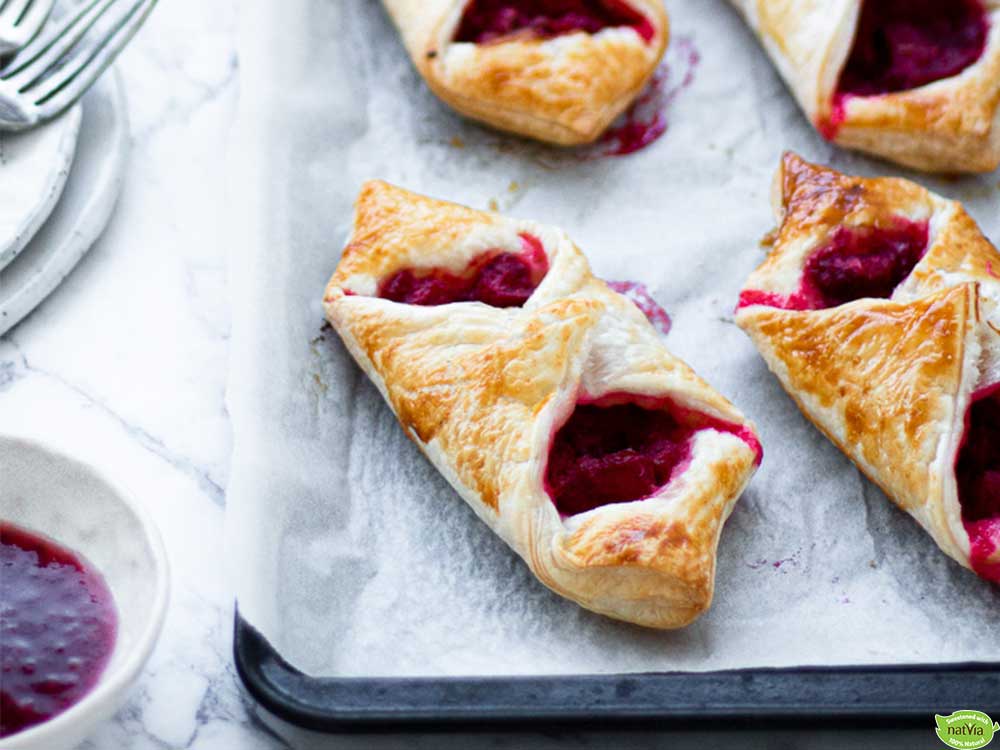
column 72, row 503
column 82, row 211
column 33, row 170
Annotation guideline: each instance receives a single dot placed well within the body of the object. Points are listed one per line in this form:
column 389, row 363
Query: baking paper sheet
column 354, row 557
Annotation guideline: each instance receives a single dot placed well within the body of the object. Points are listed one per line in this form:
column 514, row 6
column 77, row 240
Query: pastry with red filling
column 556, row 70
column 546, row 399
column 913, row 81
column 878, row 309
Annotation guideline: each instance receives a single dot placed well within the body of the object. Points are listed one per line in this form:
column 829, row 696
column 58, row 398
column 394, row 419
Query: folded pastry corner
column 557, row 70
column 876, row 308
column 547, row 400
column 913, row 81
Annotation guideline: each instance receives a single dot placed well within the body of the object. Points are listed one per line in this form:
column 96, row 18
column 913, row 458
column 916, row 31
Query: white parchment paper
column 349, row 551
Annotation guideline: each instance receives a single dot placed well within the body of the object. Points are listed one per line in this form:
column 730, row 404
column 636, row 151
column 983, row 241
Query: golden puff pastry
column 877, row 309
column 548, row 401
column 913, row 81
column 560, row 72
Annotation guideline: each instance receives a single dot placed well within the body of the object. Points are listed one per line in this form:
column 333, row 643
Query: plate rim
column 35, row 217
column 88, row 224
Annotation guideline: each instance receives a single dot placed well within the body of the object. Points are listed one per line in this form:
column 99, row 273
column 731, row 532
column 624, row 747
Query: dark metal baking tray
column 884, row 696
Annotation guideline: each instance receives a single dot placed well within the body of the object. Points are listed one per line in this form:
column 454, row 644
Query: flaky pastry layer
column 889, row 381
column 564, row 90
column 482, row 391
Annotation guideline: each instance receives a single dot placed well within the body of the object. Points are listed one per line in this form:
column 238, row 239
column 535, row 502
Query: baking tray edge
column 886, row 696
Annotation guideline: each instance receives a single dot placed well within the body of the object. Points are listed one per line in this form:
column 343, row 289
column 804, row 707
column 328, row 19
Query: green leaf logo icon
column 966, row 730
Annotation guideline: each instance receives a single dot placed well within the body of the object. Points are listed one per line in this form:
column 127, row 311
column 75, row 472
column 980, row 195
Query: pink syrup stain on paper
column 645, row 121
column 639, row 294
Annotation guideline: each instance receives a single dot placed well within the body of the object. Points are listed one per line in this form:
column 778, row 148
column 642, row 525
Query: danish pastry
column 556, row 70
column 548, row 401
column 878, row 309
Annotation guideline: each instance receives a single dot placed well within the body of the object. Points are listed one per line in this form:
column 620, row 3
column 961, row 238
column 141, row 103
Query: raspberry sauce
column 57, row 632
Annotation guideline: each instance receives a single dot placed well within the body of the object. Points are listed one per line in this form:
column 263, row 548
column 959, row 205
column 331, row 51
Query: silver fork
column 53, row 71
column 20, row 21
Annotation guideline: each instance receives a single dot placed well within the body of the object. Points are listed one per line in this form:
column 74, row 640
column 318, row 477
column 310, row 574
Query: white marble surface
column 125, row 364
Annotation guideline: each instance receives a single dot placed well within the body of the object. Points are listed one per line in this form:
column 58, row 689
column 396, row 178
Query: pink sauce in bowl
column 57, row 630
column 904, row 44
column 495, row 278
column 857, row 262
column 486, row 21
column 977, row 471
column 623, row 447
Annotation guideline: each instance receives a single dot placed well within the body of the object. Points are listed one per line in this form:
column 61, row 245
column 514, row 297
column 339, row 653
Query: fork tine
column 13, row 10
column 35, row 18
column 61, row 91
column 37, row 57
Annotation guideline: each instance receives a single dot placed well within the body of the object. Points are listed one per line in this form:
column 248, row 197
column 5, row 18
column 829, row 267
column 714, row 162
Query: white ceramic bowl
column 73, row 504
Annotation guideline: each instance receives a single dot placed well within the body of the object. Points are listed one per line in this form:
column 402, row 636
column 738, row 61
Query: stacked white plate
column 58, row 186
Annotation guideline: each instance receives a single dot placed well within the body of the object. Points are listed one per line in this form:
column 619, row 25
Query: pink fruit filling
column 857, row 262
column 978, row 473
column 624, row 447
column 496, row 278
column 904, row 44
column 57, row 629
column 487, row 21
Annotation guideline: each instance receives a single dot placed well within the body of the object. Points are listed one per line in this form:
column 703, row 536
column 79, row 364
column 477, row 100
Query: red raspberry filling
column 496, row 278
column 905, row 44
column 857, row 262
column 622, row 448
column 487, row 21
column 977, row 471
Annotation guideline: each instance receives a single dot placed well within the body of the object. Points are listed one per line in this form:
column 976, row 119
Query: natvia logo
column 966, row 730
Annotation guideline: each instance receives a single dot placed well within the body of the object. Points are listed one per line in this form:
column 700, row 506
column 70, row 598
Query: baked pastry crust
column 950, row 125
column 565, row 90
column 888, row 381
column 482, row 391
